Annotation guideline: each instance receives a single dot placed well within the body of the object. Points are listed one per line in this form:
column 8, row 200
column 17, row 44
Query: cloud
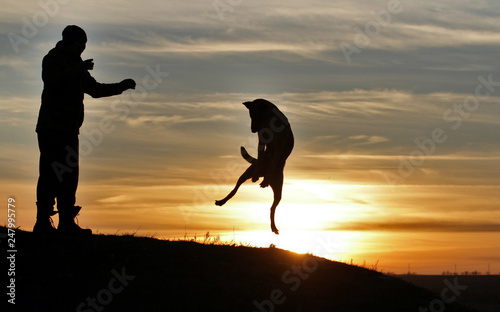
column 348, row 133
column 263, row 47
column 176, row 119
column 422, row 226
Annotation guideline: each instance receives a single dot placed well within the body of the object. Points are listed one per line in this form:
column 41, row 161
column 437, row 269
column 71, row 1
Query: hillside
column 125, row 273
column 481, row 292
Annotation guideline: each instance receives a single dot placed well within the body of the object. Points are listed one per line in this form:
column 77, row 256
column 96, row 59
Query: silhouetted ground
column 481, row 292
column 125, row 273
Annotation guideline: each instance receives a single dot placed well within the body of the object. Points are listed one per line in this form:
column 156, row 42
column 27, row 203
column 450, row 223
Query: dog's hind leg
column 277, row 186
column 245, row 176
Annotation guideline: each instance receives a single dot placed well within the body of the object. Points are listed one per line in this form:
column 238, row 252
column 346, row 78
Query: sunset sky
column 395, row 108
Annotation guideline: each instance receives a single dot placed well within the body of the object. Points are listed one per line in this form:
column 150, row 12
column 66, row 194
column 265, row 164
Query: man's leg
column 66, row 192
column 69, row 174
column 46, row 191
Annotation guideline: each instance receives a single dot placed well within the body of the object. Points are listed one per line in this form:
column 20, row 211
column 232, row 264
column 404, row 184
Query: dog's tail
column 247, row 156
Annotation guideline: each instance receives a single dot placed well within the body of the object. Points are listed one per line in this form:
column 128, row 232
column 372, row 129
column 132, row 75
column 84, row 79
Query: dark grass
column 63, row 273
column 482, row 292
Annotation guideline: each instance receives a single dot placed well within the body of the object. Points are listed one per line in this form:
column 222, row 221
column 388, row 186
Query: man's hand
column 87, row 65
column 128, row 84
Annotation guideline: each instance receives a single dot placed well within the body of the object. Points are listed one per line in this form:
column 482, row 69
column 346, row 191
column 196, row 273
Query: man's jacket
column 64, row 85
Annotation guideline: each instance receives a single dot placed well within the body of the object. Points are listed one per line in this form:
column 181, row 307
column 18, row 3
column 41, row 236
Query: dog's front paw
column 275, row 231
column 255, row 179
column 264, row 184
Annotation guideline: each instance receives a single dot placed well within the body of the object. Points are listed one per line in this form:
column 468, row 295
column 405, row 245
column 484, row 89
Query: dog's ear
column 258, row 104
column 248, row 104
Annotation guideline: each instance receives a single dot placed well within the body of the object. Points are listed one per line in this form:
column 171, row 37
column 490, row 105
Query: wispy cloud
column 175, row 119
column 422, row 226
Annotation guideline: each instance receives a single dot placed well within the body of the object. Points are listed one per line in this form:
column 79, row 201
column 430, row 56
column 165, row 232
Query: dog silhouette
column 275, row 145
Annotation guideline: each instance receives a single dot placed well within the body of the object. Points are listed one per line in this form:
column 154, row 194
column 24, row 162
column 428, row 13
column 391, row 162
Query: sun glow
column 307, row 205
column 334, row 245
column 306, row 217
column 319, row 205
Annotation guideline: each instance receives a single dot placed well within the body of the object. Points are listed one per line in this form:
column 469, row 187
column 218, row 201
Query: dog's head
column 261, row 113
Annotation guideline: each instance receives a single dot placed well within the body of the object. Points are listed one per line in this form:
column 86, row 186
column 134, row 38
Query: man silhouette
column 65, row 80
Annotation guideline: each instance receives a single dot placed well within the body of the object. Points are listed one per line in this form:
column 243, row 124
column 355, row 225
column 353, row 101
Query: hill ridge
column 127, row 273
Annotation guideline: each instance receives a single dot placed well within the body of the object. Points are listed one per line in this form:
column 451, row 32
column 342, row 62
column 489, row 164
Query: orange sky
column 397, row 156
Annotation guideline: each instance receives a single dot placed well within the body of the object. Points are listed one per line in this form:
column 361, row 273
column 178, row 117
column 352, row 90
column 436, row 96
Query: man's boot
column 44, row 224
column 67, row 225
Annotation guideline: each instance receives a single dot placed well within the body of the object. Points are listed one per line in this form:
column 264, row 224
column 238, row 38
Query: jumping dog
column 275, row 145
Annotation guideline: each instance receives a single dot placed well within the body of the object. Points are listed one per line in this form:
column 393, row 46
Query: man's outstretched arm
column 97, row 90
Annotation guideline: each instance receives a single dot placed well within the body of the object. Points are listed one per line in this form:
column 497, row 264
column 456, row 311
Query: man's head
column 75, row 38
